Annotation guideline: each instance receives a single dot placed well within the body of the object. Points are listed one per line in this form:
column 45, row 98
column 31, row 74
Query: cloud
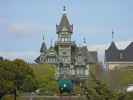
column 28, row 29
column 23, row 29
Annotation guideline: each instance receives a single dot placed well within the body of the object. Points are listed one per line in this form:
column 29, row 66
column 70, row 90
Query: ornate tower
column 64, row 31
column 71, row 61
column 64, row 45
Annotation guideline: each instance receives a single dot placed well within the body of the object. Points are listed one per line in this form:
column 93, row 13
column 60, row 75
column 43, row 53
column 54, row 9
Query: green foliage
column 45, row 75
column 126, row 96
column 29, row 85
column 24, row 75
column 117, row 81
column 98, row 90
column 13, row 76
column 120, row 78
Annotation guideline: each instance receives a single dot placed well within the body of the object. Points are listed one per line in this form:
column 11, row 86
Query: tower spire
column 64, row 9
column 51, row 42
column 43, row 46
column 43, row 36
column 84, row 41
column 112, row 35
column 64, row 25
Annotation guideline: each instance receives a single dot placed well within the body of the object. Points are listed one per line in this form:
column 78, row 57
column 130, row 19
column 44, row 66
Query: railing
column 62, row 42
column 70, row 76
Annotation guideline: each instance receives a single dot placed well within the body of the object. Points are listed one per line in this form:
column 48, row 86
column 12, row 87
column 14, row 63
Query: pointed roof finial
column 64, row 9
column 43, row 37
column 51, row 42
column 84, row 40
column 112, row 35
column 43, row 46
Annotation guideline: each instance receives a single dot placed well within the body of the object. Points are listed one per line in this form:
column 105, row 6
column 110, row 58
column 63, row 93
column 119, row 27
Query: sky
column 23, row 22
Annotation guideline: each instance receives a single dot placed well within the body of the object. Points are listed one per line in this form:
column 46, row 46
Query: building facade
column 72, row 61
column 119, row 58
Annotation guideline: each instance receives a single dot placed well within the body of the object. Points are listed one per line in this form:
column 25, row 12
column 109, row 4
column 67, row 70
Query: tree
column 119, row 79
column 24, row 74
column 45, row 74
column 97, row 90
column 126, row 96
column 14, row 76
column 6, row 78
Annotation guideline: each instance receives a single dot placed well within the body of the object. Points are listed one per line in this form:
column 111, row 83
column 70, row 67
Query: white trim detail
column 115, row 62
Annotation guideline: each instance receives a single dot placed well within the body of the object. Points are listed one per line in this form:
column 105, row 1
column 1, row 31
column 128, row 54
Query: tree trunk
column 1, row 96
column 15, row 94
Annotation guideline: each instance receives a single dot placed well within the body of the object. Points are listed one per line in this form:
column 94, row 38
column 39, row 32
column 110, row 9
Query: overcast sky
column 22, row 22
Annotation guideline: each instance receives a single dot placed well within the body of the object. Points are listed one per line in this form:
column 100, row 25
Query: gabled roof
column 114, row 54
column 50, row 53
column 130, row 46
column 112, row 46
column 37, row 60
column 129, row 52
column 64, row 23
